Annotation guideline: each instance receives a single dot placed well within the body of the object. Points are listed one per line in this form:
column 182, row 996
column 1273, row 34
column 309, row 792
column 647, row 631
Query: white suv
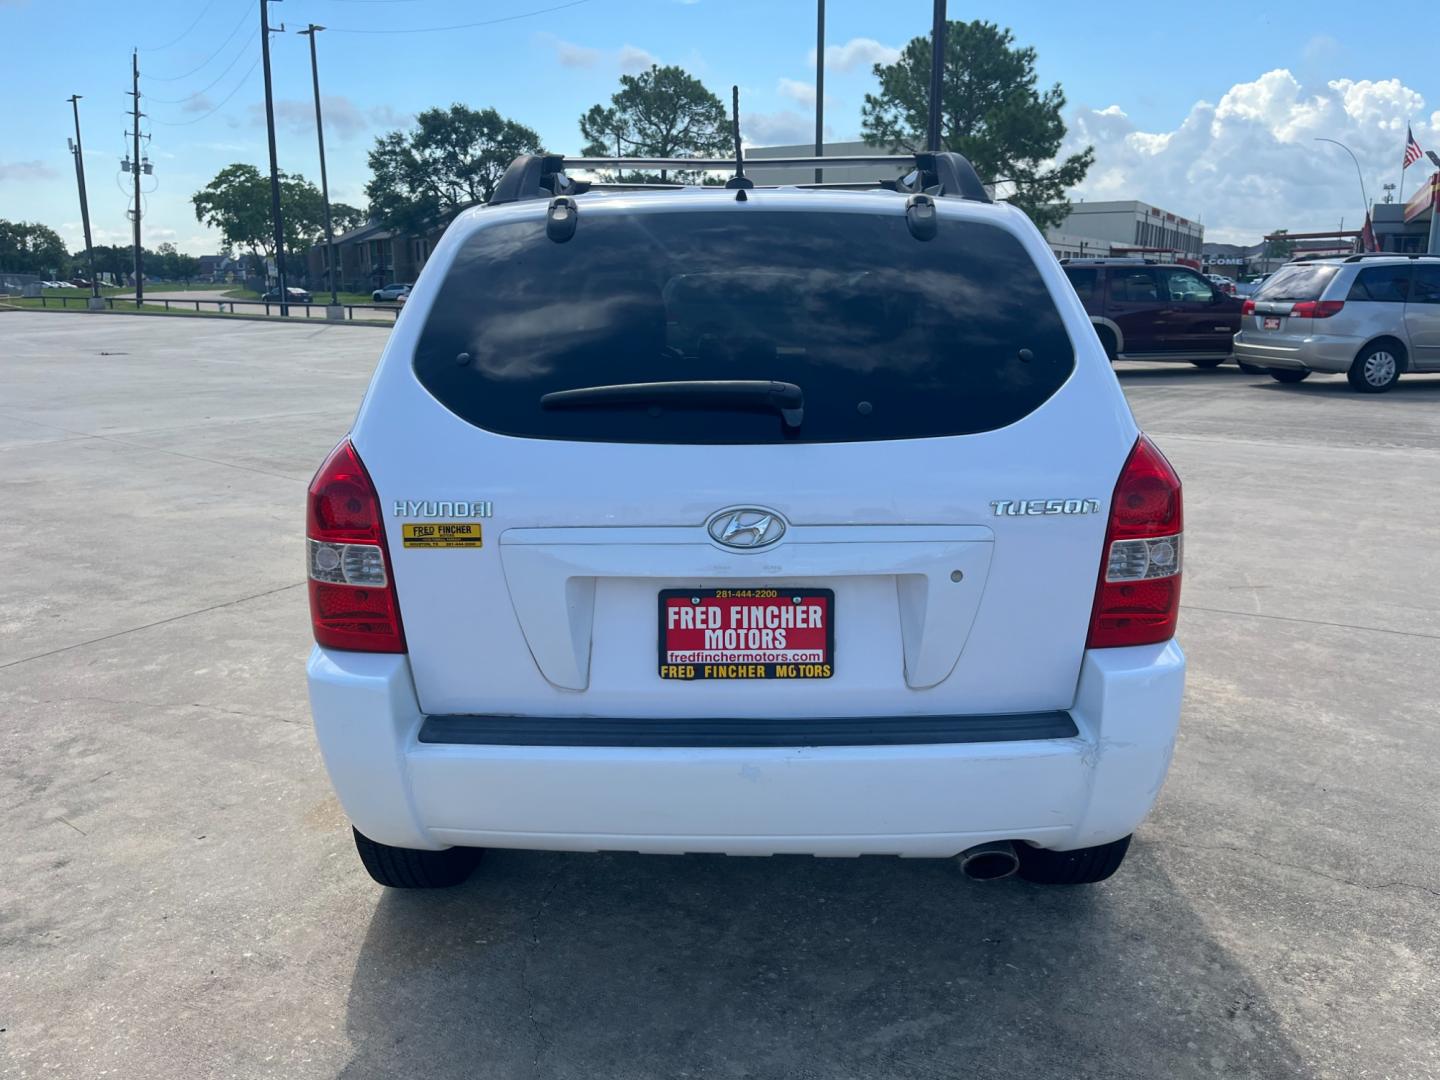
column 745, row 520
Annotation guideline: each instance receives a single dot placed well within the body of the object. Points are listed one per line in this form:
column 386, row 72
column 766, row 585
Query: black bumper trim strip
column 732, row 732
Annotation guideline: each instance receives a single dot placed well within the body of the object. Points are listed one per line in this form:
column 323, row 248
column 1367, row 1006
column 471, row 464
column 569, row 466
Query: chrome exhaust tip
column 989, row 862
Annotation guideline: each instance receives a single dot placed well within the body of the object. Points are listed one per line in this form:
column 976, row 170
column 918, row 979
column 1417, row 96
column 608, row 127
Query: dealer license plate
column 1272, row 322
column 769, row 633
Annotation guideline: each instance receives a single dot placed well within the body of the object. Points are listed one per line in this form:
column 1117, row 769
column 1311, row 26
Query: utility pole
column 937, row 76
column 79, row 152
column 819, row 86
column 274, row 166
column 310, row 32
column 135, row 174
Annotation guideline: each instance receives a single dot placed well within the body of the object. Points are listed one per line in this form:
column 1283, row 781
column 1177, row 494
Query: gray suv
column 1369, row 317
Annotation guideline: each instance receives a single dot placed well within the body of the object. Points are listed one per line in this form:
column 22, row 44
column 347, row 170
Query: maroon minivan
column 1143, row 310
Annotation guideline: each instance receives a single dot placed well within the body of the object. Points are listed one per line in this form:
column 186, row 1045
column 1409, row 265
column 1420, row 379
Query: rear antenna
column 739, row 181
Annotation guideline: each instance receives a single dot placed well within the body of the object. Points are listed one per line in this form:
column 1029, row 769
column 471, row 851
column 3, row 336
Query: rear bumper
column 924, row 799
column 1311, row 352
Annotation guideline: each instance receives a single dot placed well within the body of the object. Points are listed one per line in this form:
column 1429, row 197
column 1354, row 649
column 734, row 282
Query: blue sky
column 1207, row 109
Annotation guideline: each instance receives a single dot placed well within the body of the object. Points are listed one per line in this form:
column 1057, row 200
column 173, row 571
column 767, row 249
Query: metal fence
column 269, row 307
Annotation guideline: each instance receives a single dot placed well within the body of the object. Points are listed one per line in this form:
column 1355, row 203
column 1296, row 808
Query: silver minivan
column 1370, row 317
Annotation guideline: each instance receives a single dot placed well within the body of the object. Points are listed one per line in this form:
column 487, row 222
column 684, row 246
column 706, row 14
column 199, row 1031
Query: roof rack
column 542, row 176
column 1387, row 255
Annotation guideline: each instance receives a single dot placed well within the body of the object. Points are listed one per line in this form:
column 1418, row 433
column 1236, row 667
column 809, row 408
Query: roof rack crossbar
column 536, row 176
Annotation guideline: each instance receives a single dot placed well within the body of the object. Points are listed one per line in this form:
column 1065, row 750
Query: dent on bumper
column 842, row 800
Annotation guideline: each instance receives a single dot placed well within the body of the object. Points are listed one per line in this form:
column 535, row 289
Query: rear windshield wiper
column 749, row 395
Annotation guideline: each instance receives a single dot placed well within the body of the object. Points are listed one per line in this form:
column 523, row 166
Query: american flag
column 1413, row 152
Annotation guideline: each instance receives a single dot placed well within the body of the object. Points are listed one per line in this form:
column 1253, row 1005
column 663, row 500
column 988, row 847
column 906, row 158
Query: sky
column 1210, row 110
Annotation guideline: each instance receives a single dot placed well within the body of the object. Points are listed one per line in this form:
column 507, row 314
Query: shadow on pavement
column 565, row 965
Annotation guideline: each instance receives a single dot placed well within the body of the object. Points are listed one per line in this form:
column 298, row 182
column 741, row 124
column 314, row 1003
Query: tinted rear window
column 1297, row 281
column 888, row 337
column 1084, row 281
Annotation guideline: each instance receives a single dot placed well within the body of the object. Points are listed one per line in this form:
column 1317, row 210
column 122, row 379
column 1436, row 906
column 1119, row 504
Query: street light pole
column 820, row 86
column 937, row 77
column 84, row 201
column 310, row 32
column 1365, row 199
column 275, row 217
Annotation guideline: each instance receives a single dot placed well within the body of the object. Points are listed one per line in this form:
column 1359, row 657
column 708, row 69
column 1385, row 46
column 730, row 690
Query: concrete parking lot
column 180, row 897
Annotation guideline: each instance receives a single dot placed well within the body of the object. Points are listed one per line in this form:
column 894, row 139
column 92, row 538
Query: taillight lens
column 1316, row 309
column 1137, row 600
column 352, row 592
column 1247, row 308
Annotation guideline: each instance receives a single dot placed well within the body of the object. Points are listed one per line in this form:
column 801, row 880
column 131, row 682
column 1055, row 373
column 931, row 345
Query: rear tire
column 1211, row 362
column 1083, row 866
column 409, row 868
column 1107, row 342
column 1376, row 369
column 1288, row 375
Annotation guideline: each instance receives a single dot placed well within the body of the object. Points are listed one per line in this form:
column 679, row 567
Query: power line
column 161, row 48
column 233, row 61
column 228, row 38
column 223, row 102
column 459, row 26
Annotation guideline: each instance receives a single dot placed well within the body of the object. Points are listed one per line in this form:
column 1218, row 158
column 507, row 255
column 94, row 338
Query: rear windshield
column 887, row 336
column 1298, row 281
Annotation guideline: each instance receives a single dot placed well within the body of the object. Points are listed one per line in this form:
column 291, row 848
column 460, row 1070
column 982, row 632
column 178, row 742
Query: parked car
column 1369, row 317
column 391, row 292
column 797, row 521
column 1223, row 283
column 295, row 296
column 1155, row 311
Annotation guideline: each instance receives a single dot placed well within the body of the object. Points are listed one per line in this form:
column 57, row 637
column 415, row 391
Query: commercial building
column 1126, row 227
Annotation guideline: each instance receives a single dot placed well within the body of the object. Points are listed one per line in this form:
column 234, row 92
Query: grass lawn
column 320, row 297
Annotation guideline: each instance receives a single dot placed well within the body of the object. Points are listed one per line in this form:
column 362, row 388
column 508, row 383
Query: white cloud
column 1250, row 162
column 26, row 170
column 784, row 128
column 857, row 52
column 795, row 90
column 343, row 118
column 632, row 58
column 628, row 58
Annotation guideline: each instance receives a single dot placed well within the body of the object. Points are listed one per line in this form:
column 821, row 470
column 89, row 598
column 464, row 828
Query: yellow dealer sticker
column 441, row 534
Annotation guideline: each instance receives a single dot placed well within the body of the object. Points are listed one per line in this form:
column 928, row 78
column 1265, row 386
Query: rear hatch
column 1275, row 312
column 919, row 533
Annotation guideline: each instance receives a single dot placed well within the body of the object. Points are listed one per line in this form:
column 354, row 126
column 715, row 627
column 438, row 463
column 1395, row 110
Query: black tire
column 1209, row 362
column 1250, row 369
column 375, row 298
column 1107, row 342
column 1377, row 368
column 1288, row 375
column 408, row 868
column 1083, row 866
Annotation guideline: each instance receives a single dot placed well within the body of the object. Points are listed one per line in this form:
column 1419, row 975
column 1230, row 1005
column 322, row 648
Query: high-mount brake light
column 1137, row 599
column 353, row 604
column 1317, row 309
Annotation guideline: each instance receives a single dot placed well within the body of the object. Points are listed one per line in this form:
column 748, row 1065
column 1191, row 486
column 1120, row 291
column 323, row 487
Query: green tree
column 161, row 262
column 663, row 112
column 991, row 111
column 186, row 267
column 27, row 247
column 237, row 203
column 343, row 218
column 114, row 261
column 1279, row 246
column 451, row 159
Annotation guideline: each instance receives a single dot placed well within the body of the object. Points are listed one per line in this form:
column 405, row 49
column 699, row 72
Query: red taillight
column 1137, row 601
column 352, row 592
column 1247, row 308
column 1316, row 309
